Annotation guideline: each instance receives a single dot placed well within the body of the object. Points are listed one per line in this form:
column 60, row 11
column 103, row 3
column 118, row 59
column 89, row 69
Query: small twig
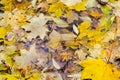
column 111, row 51
column 112, row 48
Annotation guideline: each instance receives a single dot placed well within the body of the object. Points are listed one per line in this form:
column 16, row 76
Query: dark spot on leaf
column 91, row 74
column 119, row 77
column 112, row 70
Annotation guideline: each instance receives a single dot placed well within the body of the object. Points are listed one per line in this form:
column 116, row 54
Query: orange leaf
column 96, row 14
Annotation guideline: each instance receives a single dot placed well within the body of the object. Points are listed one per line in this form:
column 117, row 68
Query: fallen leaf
column 98, row 69
column 83, row 28
column 91, row 3
column 33, row 3
column 77, row 75
column 26, row 57
column 37, row 27
column 96, row 14
column 96, row 51
column 43, row 6
column 106, row 9
column 68, row 37
column 54, row 40
column 80, row 54
column 75, row 29
column 70, row 17
column 57, row 8
column 70, row 3
column 107, row 21
column 86, row 18
column 56, row 65
column 79, row 6
column 60, row 23
column 2, row 32
column 112, row 1
column 65, row 56
column 52, row 1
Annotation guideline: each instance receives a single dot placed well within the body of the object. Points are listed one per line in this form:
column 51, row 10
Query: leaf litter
column 59, row 40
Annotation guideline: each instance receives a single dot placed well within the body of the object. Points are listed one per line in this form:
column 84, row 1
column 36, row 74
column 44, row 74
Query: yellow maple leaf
column 94, row 36
column 2, row 32
column 9, row 5
column 35, row 76
column 79, row 6
column 11, row 77
column 98, row 69
column 83, row 28
column 57, row 8
column 112, row 1
column 23, row 5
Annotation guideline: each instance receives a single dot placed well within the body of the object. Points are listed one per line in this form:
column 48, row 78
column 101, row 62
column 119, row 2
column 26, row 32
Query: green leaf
column 106, row 9
column 107, row 22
